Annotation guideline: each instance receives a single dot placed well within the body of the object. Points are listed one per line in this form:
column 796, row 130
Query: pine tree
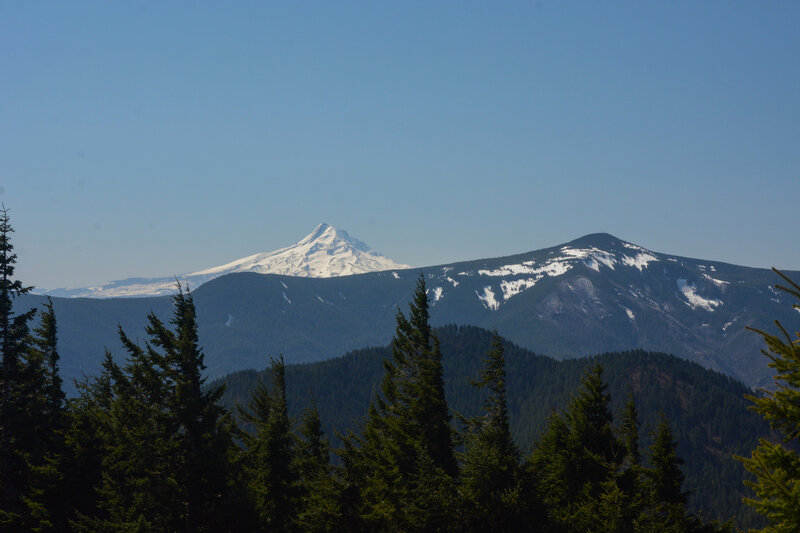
column 776, row 466
column 404, row 458
column 577, row 457
column 45, row 503
column 318, row 492
column 490, row 473
column 16, row 434
column 203, row 431
column 591, row 434
column 271, row 478
column 312, row 456
column 665, row 478
column 85, row 443
column 629, row 476
column 165, row 442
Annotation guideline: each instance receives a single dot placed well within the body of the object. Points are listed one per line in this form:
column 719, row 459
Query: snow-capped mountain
column 326, row 252
column 593, row 294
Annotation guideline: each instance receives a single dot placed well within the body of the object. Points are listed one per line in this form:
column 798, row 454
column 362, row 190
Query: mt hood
column 326, row 252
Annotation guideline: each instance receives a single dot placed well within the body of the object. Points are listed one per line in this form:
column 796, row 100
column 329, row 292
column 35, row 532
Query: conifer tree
column 591, row 443
column 16, row 434
column 490, row 473
column 775, row 465
column 271, row 479
column 404, row 458
column 203, row 429
column 319, row 494
column 665, row 478
column 85, row 443
column 312, row 455
column 165, row 443
column 577, row 457
column 45, row 503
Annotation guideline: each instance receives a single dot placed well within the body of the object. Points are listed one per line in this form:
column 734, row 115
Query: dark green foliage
column 163, row 441
column 665, row 474
column 46, row 509
column 707, row 411
column 268, row 463
column 776, row 464
column 18, row 436
column 406, row 449
column 491, row 477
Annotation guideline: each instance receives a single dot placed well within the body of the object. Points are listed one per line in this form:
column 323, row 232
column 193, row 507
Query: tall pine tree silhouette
column 406, row 450
column 15, row 425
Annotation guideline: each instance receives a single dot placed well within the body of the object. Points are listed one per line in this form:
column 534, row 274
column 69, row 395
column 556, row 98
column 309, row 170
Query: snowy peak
column 325, row 252
column 328, row 237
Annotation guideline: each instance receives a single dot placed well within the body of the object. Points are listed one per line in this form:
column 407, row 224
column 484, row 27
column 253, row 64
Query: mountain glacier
column 326, row 252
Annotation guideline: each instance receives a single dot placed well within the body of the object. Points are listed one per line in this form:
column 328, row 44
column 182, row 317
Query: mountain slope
column 707, row 410
column 323, row 253
column 592, row 295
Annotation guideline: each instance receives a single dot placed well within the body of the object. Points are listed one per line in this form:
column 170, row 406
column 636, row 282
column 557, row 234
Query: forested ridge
column 707, row 410
column 454, row 430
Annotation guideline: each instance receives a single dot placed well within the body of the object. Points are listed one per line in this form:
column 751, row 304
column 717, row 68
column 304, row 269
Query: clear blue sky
column 155, row 138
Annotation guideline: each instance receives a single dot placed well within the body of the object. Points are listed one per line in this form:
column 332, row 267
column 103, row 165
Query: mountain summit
column 326, row 252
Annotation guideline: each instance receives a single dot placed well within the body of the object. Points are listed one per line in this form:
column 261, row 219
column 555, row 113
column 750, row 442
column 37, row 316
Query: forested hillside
column 707, row 410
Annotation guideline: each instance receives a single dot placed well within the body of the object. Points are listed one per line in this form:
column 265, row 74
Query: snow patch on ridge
column 694, row 300
column 437, row 294
column 717, row 282
column 640, row 261
column 488, row 299
column 514, row 287
column 592, row 257
column 551, row 268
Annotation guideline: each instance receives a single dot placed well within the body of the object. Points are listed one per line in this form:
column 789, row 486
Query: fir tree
column 775, row 465
column 318, row 492
column 404, row 459
column 271, row 478
column 45, row 502
column 665, row 479
column 17, row 433
column 203, row 431
column 592, row 442
column 165, row 443
column 490, row 473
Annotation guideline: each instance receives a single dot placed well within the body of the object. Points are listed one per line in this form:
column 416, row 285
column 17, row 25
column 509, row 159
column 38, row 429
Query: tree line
column 147, row 446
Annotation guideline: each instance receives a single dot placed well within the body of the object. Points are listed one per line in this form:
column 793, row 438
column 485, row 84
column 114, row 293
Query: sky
column 157, row 138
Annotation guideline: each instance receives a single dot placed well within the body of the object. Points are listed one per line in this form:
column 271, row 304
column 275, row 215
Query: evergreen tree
column 550, row 466
column 665, row 479
column 312, row 456
column 665, row 474
column 775, row 465
column 17, row 433
column 86, row 427
column 271, row 479
column 490, row 473
column 203, row 430
column 165, row 444
column 319, row 494
column 45, row 503
column 629, row 477
column 576, row 461
column 404, row 458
